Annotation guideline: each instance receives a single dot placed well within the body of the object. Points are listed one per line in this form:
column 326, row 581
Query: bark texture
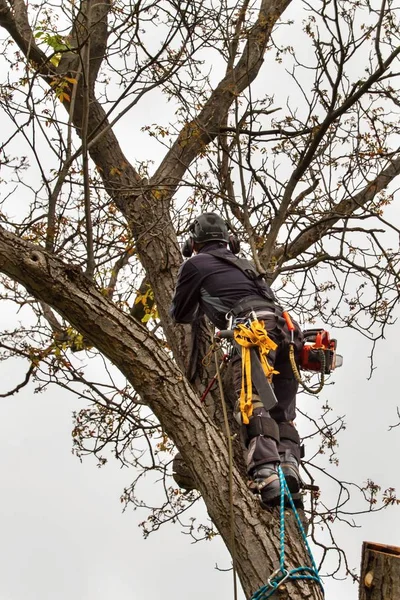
column 139, row 356
column 380, row 572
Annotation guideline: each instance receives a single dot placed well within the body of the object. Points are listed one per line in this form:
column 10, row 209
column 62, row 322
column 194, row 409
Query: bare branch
column 342, row 210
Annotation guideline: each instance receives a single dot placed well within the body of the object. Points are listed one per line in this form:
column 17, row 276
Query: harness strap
column 256, row 303
column 250, row 337
column 248, row 269
column 257, row 486
column 260, row 382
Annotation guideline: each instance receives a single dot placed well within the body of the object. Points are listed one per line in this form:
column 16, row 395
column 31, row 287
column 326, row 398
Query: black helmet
column 209, row 227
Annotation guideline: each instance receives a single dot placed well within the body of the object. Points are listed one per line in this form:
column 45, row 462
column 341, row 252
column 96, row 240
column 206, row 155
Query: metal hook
column 285, row 576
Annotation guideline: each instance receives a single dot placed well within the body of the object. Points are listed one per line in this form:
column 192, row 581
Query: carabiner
column 229, row 318
column 285, row 576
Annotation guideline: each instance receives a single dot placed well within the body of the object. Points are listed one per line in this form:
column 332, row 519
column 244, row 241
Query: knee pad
column 260, row 425
column 290, row 433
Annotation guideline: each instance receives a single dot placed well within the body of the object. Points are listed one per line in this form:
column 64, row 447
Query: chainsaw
column 319, row 352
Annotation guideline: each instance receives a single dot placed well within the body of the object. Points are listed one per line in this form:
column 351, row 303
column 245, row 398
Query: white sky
column 62, row 530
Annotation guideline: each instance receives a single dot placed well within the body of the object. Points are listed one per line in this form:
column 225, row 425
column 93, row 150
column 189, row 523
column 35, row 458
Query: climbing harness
column 318, row 355
column 281, row 575
column 249, row 335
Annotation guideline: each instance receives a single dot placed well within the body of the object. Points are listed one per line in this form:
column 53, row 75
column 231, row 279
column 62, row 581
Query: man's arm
column 185, row 302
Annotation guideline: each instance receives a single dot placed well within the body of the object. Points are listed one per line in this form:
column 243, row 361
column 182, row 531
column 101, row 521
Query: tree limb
column 155, row 376
column 342, row 210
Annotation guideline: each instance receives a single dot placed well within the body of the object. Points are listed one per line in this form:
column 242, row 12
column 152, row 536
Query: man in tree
column 218, row 284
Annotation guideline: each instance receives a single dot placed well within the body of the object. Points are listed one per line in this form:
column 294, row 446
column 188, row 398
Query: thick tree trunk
column 380, row 572
column 139, row 356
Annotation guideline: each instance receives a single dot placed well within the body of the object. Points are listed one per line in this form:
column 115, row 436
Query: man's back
column 213, row 284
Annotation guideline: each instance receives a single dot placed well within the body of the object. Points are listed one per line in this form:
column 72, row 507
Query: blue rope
column 282, row 574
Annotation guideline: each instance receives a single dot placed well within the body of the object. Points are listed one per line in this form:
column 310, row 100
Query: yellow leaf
column 138, row 298
column 55, row 60
column 64, row 96
column 115, row 171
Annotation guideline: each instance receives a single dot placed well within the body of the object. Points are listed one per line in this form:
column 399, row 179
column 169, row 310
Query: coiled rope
column 297, row 375
column 248, row 337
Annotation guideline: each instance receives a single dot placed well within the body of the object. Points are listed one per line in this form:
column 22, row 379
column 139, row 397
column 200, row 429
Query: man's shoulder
column 201, row 264
column 191, row 265
column 199, row 259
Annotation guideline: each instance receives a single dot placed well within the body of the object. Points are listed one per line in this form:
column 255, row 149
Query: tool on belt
column 251, row 337
column 318, row 354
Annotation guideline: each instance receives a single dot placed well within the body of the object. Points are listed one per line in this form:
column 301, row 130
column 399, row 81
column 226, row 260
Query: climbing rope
column 214, row 347
column 281, row 575
column 253, row 335
column 230, row 481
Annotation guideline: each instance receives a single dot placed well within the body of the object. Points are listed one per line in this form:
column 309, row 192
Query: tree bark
column 155, row 376
column 380, row 572
column 146, row 207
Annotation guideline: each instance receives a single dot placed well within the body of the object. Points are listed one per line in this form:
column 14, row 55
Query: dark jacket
column 209, row 285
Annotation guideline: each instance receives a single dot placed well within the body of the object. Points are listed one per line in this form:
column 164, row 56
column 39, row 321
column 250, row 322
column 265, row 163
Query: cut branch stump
column 380, row 572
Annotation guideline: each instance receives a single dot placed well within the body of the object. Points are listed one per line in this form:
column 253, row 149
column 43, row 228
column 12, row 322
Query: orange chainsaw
column 319, row 352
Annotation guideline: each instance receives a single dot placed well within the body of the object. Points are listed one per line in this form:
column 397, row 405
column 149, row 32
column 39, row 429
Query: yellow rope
column 249, row 337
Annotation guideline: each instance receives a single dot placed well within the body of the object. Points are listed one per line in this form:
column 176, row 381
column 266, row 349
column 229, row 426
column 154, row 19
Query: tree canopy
column 123, row 120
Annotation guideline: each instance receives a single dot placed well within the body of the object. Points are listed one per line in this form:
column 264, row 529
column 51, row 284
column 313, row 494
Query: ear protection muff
column 234, row 244
column 187, row 247
column 203, row 232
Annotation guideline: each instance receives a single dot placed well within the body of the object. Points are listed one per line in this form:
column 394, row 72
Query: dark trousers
column 263, row 449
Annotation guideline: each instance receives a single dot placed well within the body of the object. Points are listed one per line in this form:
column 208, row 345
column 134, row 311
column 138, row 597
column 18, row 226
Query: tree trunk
column 380, row 572
column 151, row 371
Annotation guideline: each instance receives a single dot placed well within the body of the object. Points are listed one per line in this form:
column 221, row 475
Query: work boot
column 290, row 468
column 266, row 482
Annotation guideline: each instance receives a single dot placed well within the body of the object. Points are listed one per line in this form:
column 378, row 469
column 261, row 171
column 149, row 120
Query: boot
column 266, row 482
column 290, row 468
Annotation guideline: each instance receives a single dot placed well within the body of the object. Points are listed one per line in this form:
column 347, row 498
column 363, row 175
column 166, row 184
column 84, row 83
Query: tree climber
column 216, row 283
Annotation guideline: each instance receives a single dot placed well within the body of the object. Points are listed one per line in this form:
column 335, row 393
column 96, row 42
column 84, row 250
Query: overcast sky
column 63, row 533
column 62, row 528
